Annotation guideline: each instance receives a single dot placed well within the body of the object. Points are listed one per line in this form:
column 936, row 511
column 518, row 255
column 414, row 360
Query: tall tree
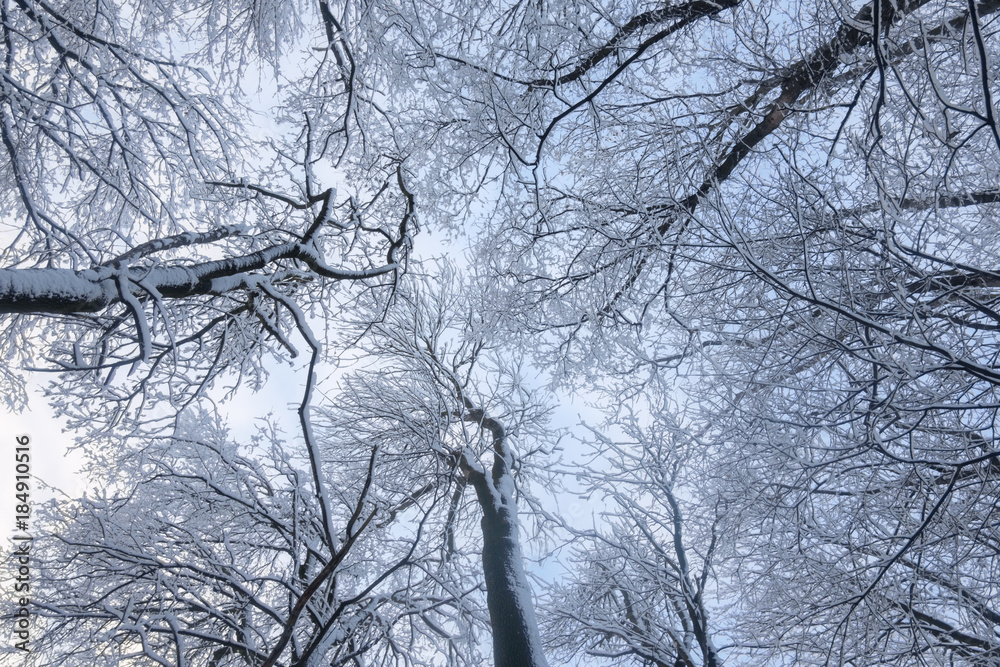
column 452, row 413
column 645, row 589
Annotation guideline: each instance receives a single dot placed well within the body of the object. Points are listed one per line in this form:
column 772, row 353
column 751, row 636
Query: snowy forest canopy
column 624, row 333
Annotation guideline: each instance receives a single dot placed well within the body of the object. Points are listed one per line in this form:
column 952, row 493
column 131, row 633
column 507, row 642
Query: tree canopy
column 752, row 245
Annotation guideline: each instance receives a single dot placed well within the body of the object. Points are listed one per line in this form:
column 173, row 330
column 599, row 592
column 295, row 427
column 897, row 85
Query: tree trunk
column 516, row 642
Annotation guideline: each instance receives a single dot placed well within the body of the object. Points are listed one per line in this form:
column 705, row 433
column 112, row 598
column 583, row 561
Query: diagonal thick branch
column 799, row 78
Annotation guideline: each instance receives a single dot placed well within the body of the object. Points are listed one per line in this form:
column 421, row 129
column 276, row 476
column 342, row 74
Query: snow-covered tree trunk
column 512, row 615
column 516, row 642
